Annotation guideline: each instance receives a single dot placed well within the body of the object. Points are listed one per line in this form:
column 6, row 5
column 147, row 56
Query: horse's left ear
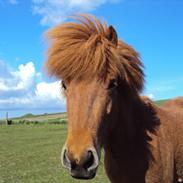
column 112, row 35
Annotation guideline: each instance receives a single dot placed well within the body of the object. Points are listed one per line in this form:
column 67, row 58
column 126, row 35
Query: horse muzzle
column 83, row 168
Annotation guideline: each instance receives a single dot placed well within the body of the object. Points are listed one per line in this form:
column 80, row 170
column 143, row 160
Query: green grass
column 31, row 154
column 160, row 102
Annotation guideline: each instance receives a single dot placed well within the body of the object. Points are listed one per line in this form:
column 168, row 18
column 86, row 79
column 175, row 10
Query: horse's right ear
column 112, row 35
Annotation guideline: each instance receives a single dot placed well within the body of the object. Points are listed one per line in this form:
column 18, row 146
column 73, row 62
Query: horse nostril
column 89, row 160
column 74, row 165
column 65, row 160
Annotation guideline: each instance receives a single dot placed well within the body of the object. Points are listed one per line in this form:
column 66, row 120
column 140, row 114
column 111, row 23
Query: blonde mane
column 84, row 49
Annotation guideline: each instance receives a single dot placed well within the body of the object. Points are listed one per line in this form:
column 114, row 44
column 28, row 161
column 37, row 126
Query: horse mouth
column 83, row 175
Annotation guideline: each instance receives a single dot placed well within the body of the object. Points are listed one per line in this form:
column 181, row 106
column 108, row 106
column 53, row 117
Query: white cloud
column 25, row 88
column 56, row 11
column 49, row 90
column 22, row 78
column 24, row 75
column 151, row 96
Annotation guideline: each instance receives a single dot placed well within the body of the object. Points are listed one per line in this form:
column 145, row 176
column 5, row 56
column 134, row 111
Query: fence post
column 8, row 121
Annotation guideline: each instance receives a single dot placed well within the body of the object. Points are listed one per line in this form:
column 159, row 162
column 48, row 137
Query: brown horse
column 102, row 78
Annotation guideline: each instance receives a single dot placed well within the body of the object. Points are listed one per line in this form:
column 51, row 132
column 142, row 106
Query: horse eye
column 113, row 83
column 63, row 85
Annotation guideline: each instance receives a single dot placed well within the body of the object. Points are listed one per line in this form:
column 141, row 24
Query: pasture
column 31, row 154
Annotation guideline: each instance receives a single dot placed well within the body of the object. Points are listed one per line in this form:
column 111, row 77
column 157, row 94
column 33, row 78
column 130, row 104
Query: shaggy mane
column 82, row 50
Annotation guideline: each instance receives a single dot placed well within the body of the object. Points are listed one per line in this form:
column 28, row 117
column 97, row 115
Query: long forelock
column 81, row 50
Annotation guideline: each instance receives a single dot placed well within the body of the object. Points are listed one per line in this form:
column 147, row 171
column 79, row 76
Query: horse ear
column 112, row 35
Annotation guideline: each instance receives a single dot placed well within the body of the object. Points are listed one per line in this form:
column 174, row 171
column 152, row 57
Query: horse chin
column 83, row 174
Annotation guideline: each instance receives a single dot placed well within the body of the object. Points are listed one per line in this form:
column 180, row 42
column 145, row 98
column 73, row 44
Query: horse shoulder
column 167, row 147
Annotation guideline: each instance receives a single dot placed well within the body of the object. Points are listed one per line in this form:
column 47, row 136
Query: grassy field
column 31, row 154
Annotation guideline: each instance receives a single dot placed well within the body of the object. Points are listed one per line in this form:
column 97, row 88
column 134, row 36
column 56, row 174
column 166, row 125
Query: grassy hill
column 42, row 117
column 160, row 102
column 54, row 118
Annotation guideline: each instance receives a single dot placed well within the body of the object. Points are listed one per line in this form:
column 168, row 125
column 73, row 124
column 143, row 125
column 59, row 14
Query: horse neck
column 127, row 146
column 130, row 122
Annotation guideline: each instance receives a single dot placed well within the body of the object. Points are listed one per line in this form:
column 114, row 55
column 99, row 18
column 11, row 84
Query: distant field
column 54, row 118
column 31, row 154
column 160, row 102
column 42, row 117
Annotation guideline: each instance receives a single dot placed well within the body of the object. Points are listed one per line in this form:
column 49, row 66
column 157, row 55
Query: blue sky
column 153, row 27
